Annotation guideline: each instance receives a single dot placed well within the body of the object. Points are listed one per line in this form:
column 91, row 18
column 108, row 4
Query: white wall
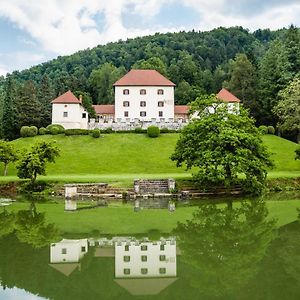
column 73, row 250
column 153, row 262
column 151, row 99
column 74, row 119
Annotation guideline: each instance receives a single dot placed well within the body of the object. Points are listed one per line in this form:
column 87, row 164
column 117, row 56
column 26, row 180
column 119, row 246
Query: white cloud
column 3, row 70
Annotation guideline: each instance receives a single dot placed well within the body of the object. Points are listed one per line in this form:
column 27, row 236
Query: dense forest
column 257, row 67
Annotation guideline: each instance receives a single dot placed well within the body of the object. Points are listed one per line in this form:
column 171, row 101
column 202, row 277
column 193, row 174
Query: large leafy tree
column 153, row 63
column 7, row 154
column 33, row 162
column 288, row 108
column 225, row 245
column 223, row 146
column 10, row 120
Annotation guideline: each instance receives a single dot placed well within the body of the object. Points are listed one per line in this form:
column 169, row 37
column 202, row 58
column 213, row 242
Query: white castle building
column 142, row 98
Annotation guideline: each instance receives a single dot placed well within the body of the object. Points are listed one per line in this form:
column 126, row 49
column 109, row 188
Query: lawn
column 120, row 158
column 118, row 218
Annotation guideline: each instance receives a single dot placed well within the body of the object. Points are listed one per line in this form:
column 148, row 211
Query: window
column 162, row 258
column 63, row 251
column 160, row 104
column 144, row 257
column 126, row 247
column 162, row 247
column 160, row 113
column 126, row 92
column 126, row 258
column 65, row 114
column 125, row 103
column 162, row 270
column 160, row 92
column 126, row 271
column 143, row 103
column 143, row 92
column 83, row 115
column 125, row 113
column 82, row 249
column 144, row 247
column 142, row 114
column 144, row 271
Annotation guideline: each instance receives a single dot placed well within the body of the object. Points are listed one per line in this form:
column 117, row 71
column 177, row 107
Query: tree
column 288, row 108
column 101, row 82
column 297, row 151
column 153, row 63
column 86, row 102
column 7, row 154
column 243, row 81
column 223, row 146
column 10, row 124
column 45, row 96
column 33, row 162
column 225, row 245
column 29, row 107
column 274, row 74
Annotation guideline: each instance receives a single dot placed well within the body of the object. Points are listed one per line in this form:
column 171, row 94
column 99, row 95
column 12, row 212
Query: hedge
column 76, row 132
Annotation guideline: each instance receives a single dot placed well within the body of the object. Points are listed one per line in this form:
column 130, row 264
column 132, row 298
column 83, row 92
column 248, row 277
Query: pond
column 217, row 250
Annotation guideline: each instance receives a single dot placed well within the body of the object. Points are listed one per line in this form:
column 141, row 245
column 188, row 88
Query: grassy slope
column 123, row 157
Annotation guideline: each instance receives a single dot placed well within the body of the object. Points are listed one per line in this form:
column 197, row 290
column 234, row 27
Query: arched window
column 142, row 92
column 126, row 92
column 160, row 92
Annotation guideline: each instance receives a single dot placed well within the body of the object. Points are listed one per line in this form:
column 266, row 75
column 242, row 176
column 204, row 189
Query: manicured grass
column 118, row 218
column 120, row 158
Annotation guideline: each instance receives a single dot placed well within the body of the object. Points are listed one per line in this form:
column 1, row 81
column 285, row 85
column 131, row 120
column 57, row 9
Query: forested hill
column 254, row 66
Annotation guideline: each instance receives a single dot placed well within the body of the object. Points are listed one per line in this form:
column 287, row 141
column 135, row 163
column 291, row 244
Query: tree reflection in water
column 225, row 245
column 29, row 226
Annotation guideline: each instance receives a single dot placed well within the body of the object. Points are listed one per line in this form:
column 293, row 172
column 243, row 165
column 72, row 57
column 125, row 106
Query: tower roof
column 67, row 98
column 226, row 96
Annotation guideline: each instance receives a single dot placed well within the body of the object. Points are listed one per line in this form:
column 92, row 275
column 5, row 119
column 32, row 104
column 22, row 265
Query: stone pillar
column 70, row 191
column 171, row 184
column 70, row 205
column 136, row 184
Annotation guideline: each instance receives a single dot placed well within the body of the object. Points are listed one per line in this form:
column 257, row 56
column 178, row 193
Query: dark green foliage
column 164, row 130
column 55, row 129
column 297, row 153
column 29, row 108
column 76, row 132
column 96, row 133
column 223, row 146
column 87, row 103
column 107, row 130
column 140, row 130
column 153, row 131
column 42, row 131
column 10, row 125
column 271, row 130
column 263, row 129
column 153, row 63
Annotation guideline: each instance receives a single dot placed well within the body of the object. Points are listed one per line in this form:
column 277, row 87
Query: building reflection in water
column 142, row 267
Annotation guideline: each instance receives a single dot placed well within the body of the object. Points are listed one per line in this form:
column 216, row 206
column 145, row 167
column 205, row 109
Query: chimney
column 80, row 98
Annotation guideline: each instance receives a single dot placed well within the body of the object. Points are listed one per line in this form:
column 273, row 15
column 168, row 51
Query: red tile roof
column 144, row 78
column 67, row 97
column 104, row 109
column 227, row 96
column 181, row 109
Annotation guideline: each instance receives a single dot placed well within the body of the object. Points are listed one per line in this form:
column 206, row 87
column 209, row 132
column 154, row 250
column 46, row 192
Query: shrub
column 153, row 131
column 263, row 129
column 42, row 131
column 33, row 131
column 76, row 132
column 24, row 131
column 107, row 130
column 55, row 129
column 164, row 130
column 140, row 130
column 271, row 130
column 96, row 133
column 27, row 131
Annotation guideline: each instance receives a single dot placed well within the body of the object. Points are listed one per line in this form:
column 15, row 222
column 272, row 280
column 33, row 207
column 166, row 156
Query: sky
column 35, row 31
